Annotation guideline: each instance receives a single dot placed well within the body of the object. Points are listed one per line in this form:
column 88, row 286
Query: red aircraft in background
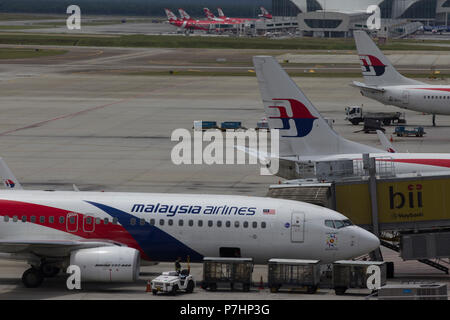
column 187, row 23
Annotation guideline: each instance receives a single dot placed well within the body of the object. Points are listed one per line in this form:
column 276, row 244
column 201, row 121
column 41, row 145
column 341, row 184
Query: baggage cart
column 227, row 270
column 348, row 274
column 291, row 274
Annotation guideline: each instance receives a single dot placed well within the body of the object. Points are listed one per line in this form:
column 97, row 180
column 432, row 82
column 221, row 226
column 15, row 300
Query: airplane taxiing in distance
column 384, row 84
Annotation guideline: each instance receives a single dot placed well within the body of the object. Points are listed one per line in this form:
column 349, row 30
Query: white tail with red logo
column 170, row 15
column 209, row 15
column 184, row 15
column 220, row 12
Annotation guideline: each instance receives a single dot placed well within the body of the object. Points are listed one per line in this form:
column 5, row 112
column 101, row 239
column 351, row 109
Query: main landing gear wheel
column 32, row 278
column 49, row 271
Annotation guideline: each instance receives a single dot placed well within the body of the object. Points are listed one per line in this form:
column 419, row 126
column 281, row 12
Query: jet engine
column 107, row 264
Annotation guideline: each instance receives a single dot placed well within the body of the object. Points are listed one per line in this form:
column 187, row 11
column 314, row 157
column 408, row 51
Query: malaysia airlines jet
column 107, row 234
column 306, row 137
column 384, row 84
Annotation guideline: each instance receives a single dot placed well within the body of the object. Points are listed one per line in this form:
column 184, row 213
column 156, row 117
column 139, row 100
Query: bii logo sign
column 231, row 147
column 74, row 20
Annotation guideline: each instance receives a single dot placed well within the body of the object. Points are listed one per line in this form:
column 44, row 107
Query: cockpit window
column 329, row 223
column 347, row 223
column 338, row 224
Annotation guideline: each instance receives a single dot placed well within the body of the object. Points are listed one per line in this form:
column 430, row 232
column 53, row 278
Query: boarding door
column 298, row 227
column 405, row 97
column 72, row 222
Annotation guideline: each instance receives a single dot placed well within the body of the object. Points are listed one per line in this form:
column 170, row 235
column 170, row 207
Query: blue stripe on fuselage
column 157, row 244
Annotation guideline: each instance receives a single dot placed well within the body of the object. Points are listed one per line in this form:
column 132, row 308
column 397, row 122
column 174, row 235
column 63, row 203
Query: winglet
column 9, row 180
column 387, row 145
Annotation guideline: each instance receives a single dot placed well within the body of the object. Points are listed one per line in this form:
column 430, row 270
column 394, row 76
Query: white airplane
column 106, row 234
column 306, row 137
column 384, row 84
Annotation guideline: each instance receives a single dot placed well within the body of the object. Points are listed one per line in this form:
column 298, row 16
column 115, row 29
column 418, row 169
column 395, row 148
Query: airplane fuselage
column 163, row 227
column 399, row 163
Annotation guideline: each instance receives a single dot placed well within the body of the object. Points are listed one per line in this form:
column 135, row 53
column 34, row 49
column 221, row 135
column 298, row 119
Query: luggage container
column 227, row 271
column 231, row 125
column 262, row 125
column 353, row 274
column 200, row 125
column 293, row 274
column 432, row 291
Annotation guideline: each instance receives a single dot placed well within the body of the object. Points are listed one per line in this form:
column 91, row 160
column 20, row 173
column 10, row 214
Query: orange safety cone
column 149, row 286
column 261, row 284
column 391, row 139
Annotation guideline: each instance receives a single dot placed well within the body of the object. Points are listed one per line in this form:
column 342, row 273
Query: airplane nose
column 367, row 241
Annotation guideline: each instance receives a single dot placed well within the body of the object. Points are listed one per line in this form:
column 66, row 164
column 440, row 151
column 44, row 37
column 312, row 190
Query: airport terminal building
column 337, row 18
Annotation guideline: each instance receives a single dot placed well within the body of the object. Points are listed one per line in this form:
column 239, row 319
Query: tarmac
column 63, row 125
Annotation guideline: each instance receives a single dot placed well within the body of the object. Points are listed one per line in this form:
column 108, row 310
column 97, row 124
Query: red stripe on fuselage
column 110, row 231
column 427, row 162
column 435, row 89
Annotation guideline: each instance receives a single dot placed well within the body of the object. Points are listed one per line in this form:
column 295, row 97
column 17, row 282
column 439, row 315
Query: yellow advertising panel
column 415, row 200
column 353, row 201
column 398, row 201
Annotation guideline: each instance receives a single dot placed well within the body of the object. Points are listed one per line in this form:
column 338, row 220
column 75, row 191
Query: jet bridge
column 416, row 207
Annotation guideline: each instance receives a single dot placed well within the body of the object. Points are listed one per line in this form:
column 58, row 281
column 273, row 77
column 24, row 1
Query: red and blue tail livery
column 303, row 119
column 371, row 66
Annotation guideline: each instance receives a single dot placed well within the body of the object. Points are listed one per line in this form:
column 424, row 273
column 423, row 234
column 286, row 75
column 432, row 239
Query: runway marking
column 74, row 114
column 38, row 124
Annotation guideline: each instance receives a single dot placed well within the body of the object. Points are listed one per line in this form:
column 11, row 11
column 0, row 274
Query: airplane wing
column 264, row 157
column 360, row 85
column 387, row 145
column 50, row 248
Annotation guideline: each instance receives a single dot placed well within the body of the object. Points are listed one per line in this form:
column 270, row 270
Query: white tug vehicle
column 172, row 281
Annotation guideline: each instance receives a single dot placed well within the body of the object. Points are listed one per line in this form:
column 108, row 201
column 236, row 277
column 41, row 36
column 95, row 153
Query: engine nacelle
column 107, row 264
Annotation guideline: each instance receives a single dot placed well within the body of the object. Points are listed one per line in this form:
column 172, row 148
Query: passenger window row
column 61, row 220
column 134, row 221
column 436, row 97
column 191, row 223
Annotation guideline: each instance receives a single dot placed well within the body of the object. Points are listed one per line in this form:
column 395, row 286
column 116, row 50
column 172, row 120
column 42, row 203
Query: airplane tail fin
column 9, row 180
column 265, row 13
column 183, row 14
column 376, row 68
column 170, row 15
column 303, row 131
column 220, row 12
column 209, row 15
